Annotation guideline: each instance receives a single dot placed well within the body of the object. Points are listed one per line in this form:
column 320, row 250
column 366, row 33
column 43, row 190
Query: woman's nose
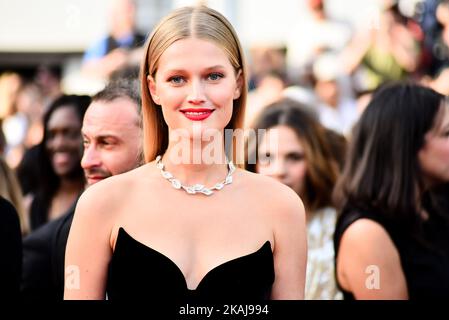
column 56, row 141
column 196, row 94
column 278, row 169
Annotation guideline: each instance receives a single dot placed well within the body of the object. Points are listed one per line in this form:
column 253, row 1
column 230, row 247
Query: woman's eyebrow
column 218, row 66
column 174, row 71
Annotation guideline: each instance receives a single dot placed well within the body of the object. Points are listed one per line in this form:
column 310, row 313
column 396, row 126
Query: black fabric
column 438, row 198
column 137, row 272
column 11, row 249
column 43, row 259
column 425, row 264
column 38, row 212
column 59, row 240
column 112, row 44
column 28, row 171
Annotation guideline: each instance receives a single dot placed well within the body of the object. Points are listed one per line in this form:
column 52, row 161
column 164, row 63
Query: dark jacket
column 43, row 259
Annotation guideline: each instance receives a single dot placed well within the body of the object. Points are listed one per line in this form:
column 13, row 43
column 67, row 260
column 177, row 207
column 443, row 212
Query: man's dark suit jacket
column 43, row 259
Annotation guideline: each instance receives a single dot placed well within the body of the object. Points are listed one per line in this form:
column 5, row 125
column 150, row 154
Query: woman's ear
column 239, row 86
column 152, row 87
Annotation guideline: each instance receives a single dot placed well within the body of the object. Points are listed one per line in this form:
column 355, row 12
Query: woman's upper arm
column 368, row 263
column 290, row 250
column 88, row 249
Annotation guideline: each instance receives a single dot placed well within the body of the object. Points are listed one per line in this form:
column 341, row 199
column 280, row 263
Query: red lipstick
column 197, row 114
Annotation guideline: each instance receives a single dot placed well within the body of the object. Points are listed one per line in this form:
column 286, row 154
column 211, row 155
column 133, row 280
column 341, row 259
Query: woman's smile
column 195, row 77
column 197, row 114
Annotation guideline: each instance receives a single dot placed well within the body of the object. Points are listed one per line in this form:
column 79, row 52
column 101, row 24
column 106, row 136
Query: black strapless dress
column 138, row 272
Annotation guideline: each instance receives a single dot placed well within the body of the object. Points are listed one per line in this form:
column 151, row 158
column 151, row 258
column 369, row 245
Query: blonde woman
column 176, row 229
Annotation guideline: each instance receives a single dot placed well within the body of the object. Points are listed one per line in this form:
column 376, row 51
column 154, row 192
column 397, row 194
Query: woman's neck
column 196, row 163
column 70, row 186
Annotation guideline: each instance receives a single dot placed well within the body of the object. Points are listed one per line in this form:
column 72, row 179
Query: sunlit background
column 328, row 54
column 57, row 32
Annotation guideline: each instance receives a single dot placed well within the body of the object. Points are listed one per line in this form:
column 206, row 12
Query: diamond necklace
column 196, row 188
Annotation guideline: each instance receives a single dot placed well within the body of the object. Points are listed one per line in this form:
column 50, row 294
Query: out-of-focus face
column 64, row 143
column 442, row 14
column 285, row 157
column 327, row 91
column 434, row 155
column 112, row 139
column 195, row 84
column 315, row 5
column 123, row 15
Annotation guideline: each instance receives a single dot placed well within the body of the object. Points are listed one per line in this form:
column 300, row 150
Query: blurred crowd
column 331, row 69
column 333, row 66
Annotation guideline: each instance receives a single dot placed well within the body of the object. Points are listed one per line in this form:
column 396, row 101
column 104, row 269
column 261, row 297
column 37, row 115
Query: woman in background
column 392, row 242
column 299, row 152
column 61, row 178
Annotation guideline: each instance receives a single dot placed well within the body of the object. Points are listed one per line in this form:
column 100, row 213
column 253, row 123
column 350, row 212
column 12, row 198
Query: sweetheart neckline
column 214, row 269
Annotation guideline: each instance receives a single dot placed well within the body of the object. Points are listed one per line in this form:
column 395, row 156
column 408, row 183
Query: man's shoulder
column 42, row 236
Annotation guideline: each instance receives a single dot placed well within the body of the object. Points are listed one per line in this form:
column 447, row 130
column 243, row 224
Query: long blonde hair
column 199, row 22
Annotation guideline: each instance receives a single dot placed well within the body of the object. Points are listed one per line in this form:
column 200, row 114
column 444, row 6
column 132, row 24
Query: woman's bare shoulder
column 111, row 192
column 271, row 192
column 370, row 232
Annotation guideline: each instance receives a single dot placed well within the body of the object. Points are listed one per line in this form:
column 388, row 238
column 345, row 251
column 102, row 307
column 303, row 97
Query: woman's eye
column 215, row 76
column 295, row 157
column 176, row 80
